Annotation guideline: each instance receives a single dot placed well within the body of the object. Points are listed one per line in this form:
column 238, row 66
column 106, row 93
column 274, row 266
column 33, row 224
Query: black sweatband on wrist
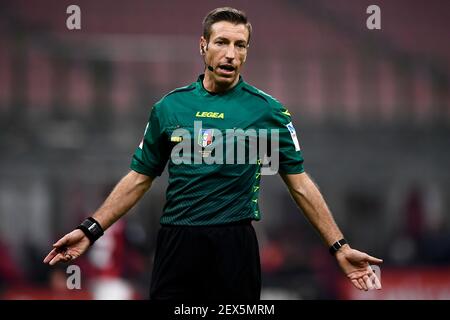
column 336, row 246
column 92, row 229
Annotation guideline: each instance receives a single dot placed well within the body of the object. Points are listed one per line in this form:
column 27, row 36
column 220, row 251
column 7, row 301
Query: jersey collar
column 205, row 92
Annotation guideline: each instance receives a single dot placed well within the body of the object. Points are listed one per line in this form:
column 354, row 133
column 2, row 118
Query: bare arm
column 124, row 196
column 354, row 263
column 310, row 200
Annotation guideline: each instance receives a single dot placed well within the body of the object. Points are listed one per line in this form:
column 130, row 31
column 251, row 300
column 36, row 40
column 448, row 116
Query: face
column 226, row 51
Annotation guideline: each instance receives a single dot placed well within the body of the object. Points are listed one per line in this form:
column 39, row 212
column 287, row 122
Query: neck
column 211, row 85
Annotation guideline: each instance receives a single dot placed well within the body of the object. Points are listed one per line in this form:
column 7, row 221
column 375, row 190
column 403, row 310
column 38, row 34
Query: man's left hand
column 356, row 265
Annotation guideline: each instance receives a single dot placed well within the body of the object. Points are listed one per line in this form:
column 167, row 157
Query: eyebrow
column 226, row 39
column 221, row 39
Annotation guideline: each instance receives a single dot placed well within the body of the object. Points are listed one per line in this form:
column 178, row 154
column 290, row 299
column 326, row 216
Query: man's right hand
column 68, row 248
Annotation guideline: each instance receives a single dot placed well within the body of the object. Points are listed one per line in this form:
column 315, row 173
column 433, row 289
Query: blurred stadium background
column 372, row 109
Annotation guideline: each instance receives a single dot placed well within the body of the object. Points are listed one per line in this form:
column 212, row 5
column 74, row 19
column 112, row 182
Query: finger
column 68, row 256
column 357, row 285
column 56, row 259
column 373, row 260
column 368, row 282
column 50, row 256
column 60, row 257
column 363, row 285
column 62, row 242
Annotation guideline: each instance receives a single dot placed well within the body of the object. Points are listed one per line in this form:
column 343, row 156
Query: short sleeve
column 151, row 155
column 290, row 154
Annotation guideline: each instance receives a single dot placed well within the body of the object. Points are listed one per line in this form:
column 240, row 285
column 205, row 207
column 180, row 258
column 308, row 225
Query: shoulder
column 180, row 90
column 273, row 105
column 174, row 94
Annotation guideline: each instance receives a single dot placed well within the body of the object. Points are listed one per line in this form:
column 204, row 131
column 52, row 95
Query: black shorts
column 207, row 263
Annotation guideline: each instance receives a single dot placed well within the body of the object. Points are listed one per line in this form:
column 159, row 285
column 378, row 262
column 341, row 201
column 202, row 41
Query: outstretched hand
column 355, row 265
column 68, row 248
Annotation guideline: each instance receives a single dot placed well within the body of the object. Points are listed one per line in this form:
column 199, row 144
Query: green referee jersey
column 201, row 193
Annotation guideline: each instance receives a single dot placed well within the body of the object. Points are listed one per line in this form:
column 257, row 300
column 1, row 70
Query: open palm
column 356, row 265
column 68, row 248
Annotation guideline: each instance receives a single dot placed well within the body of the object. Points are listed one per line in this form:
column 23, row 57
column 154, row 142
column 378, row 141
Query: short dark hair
column 225, row 14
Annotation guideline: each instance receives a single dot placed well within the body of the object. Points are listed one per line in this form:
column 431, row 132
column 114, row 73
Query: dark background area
column 371, row 108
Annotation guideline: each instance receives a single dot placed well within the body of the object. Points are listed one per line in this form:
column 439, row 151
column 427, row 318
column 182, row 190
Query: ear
column 202, row 45
column 245, row 57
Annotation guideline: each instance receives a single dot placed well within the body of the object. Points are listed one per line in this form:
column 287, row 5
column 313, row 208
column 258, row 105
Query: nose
column 230, row 52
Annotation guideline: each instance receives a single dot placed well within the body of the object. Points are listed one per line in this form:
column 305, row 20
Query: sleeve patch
column 142, row 141
column 291, row 129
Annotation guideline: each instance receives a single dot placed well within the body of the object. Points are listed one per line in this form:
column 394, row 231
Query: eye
column 220, row 42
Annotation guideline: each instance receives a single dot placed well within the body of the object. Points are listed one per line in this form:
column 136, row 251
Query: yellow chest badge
column 205, row 114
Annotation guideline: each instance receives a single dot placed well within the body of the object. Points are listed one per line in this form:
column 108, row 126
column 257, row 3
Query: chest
column 215, row 112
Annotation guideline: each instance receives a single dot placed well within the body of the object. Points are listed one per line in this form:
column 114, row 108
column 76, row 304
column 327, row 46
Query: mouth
column 226, row 68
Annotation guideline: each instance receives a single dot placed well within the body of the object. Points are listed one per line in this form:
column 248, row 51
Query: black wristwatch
column 92, row 229
column 336, row 246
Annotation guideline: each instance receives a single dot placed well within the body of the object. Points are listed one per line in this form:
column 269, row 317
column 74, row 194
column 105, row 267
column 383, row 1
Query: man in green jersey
column 207, row 247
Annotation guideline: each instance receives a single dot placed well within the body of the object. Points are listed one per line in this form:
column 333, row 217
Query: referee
column 206, row 246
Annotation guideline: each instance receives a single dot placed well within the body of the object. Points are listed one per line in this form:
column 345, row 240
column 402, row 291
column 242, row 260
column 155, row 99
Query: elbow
column 141, row 181
column 298, row 191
